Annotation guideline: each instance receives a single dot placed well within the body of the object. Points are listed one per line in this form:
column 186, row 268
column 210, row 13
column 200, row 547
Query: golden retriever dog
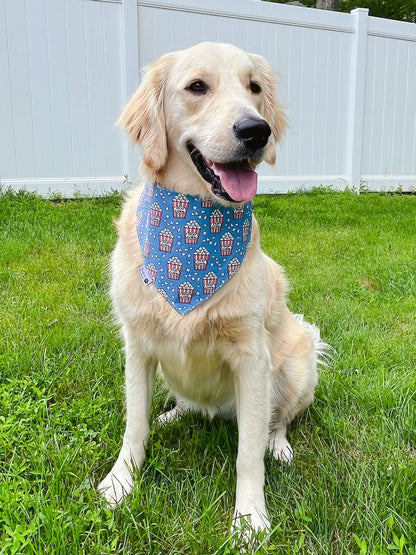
column 205, row 117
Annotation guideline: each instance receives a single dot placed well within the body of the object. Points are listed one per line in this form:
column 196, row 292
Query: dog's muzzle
column 236, row 180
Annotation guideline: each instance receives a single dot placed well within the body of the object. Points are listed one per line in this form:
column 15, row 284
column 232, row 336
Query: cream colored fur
column 242, row 349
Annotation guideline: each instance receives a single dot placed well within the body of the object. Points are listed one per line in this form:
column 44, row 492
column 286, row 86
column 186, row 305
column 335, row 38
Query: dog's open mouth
column 235, row 182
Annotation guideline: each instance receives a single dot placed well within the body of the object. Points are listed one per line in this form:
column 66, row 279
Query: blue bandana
column 191, row 246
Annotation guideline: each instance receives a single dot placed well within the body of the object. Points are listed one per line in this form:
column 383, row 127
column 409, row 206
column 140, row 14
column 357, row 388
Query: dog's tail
column 324, row 351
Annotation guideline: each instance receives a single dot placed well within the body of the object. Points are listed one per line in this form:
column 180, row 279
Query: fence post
column 357, row 97
column 130, row 53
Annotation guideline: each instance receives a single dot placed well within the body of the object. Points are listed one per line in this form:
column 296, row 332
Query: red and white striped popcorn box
column 201, row 258
column 174, row 267
column 165, row 240
column 192, row 232
column 151, row 269
column 226, row 244
column 232, row 267
column 245, row 230
column 186, row 292
column 155, row 214
column 207, row 203
column 209, row 283
column 215, row 221
column 180, row 205
column 238, row 212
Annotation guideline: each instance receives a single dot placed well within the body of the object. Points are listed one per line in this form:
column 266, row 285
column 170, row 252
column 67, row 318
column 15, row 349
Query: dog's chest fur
column 197, row 374
column 196, row 365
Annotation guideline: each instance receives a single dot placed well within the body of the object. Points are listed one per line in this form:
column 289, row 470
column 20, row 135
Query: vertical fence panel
column 357, row 92
column 389, row 135
column 42, row 102
column 19, row 81
column 7, row 136
column 57, row 46
column 131, row 69
column 408, row 166
column 79, row 96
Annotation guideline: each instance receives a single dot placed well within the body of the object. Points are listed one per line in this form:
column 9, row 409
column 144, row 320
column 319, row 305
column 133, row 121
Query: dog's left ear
column 143, row 117
column 273, row 112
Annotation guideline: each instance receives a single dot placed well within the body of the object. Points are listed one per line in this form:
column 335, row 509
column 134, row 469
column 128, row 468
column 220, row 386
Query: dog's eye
column 255, row 87
column 197, row 87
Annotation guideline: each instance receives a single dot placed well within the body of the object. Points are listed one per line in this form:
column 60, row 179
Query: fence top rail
column 264, row 12
column 391, row 29
column 108, row 1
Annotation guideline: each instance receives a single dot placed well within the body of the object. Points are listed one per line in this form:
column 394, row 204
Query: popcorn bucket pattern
column 226, row 244
column 215, row 221
column 207, row 203
column 246, row 229
column 232, row 267
column 151, row 268
column 238, row 212
column 180, row 206
column 165, row 240
column 191, row 246
column 209, row 283
column 174, row 266
column 192, row 232
column 186, row 292
column 201, row 258
column 155, row 214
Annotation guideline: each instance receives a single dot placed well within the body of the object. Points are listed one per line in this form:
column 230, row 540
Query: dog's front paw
column 248, row 526
column 116, row 485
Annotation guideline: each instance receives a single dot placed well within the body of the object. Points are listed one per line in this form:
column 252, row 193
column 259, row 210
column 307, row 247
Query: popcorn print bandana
column 191, row 246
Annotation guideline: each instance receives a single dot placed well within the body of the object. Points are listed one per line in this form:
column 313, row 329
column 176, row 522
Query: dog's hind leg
column 294, row 383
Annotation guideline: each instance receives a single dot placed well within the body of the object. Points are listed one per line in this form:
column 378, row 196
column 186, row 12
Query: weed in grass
column 351, row 488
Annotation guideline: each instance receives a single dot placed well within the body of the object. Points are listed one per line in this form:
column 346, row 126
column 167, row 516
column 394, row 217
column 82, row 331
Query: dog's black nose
column 253, row 132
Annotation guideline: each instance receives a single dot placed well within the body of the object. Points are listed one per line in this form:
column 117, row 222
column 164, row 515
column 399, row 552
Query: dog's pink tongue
column 240, row 182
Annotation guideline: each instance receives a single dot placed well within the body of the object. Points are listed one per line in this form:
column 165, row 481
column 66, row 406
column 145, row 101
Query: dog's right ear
column 143, row 117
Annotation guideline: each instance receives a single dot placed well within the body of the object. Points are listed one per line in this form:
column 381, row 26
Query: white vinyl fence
column 348, row 82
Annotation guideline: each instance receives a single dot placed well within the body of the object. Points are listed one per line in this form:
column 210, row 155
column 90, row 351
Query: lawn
column 351, row 261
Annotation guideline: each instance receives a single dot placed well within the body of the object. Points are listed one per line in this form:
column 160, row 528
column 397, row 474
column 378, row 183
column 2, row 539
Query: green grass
column 351, row 261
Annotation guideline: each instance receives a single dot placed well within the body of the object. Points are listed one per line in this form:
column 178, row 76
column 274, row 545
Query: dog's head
column 205, row 117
